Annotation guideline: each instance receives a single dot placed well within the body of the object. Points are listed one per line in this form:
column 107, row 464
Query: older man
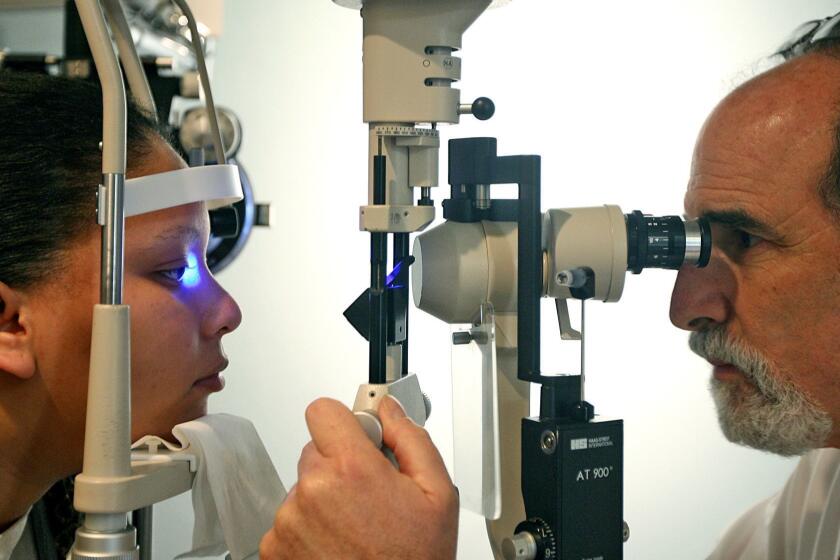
column 766, row 311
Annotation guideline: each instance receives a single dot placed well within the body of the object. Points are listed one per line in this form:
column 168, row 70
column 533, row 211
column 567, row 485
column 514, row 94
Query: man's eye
column 748, row 240
column 174, row 274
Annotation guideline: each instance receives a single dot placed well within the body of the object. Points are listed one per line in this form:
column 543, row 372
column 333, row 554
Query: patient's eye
column 174, row 274
column 186, row 275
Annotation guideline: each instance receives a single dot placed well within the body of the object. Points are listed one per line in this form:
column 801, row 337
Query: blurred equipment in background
column 161, row 37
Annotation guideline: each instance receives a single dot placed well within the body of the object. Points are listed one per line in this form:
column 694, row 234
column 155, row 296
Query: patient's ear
column 16, row 355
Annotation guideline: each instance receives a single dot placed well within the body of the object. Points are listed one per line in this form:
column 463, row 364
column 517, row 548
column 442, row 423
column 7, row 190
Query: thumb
column 418, row 457
column 391, row 408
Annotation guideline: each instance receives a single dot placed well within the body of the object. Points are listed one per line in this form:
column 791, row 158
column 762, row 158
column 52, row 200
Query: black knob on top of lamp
column 482, row 108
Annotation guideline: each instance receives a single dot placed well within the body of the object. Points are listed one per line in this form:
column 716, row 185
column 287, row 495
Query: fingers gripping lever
column 405, row 390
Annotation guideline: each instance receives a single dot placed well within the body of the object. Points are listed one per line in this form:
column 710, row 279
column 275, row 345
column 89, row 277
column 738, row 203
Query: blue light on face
column 191, row 275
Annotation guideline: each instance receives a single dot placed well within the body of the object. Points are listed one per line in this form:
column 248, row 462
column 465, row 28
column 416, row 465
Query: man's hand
column 351, row 503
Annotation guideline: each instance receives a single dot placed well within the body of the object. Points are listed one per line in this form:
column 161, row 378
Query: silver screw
column 548, row 442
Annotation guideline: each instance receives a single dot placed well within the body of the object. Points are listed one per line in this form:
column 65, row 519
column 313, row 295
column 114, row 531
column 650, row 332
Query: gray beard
column 767, row 412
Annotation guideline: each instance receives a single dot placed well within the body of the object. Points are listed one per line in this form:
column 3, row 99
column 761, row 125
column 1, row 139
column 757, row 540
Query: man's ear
column 16, row 356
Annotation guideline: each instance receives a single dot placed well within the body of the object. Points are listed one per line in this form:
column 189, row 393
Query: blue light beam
column 191, row 276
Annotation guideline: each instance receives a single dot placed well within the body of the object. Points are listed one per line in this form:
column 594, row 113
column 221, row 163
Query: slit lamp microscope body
column 550, row 486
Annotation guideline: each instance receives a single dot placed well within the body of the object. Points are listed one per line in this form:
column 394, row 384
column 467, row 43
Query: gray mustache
column 715, row 344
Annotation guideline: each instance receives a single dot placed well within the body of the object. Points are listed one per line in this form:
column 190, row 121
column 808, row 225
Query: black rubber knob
column 483, row 108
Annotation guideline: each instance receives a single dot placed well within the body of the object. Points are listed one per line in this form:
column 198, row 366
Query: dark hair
column 50, row 166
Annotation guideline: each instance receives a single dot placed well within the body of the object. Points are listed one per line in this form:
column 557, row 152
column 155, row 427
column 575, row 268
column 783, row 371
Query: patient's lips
column 214, row 382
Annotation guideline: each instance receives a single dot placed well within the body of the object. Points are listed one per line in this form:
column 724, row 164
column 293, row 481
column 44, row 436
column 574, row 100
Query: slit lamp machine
column 550, row 486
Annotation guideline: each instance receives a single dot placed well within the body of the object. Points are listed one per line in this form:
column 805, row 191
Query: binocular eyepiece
column 666, row 242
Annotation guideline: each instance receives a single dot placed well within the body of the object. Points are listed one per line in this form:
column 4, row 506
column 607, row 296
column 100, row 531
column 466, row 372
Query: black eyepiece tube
column 666, row 242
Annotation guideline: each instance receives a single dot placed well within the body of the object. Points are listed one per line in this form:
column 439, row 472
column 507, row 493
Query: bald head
column 784, row 121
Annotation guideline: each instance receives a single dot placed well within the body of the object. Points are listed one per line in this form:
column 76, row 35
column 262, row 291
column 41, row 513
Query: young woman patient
column 50, row 165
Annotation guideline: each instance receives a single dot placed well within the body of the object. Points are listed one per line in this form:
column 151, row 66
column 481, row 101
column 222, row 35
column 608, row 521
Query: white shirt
column 802, row 522
column 13, row 546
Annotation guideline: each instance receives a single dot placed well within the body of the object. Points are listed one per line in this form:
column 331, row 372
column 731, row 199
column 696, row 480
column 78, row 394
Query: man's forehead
column 779, row 108
column 807, row 83
column 769, row 142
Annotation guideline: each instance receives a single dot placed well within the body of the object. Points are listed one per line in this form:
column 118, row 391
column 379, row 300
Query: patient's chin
column 163, row 425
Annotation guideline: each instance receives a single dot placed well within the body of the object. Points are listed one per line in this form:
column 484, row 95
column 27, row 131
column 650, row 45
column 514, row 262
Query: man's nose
column 702, row 296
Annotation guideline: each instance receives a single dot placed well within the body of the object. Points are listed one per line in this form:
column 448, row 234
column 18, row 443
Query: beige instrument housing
column 594, row 237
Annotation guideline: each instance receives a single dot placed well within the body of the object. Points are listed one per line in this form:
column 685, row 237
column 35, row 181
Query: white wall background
column 611, row 94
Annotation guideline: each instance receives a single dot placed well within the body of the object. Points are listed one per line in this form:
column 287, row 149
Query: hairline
column 62, row 257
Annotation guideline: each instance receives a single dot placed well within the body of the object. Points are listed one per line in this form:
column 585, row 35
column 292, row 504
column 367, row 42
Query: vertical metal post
column 401, row 253
column 108, row 422
column 378, row 305
column 529, row 281
column 143, row 519
column 582, row 349
column 111, row 281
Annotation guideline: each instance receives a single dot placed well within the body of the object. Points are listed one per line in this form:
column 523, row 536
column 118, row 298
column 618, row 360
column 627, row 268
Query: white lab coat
column 802, row 522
